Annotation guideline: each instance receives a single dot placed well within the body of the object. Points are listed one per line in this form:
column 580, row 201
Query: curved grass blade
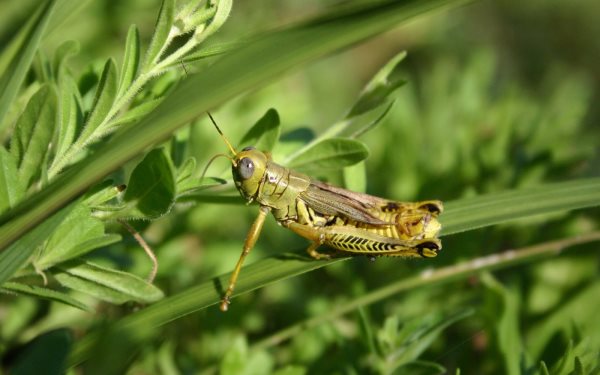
column 476, row 212
column 254, row 65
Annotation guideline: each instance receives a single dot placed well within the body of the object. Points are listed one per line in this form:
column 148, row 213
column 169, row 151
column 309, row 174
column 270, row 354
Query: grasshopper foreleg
column 251, row 238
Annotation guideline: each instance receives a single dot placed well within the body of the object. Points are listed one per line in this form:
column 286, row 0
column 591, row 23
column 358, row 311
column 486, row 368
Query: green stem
column 433, row 277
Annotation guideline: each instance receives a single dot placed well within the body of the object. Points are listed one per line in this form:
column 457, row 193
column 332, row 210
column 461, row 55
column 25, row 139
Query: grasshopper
column 348, row 222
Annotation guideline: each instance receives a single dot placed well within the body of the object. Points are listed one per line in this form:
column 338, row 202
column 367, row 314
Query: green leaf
column 161, row 33
column 186, row 170
column 575, row 309
column 223, row 10
column 359, row 125
column 46, row 354
column 106, row 284
column 136, row 113
column 77, row 235
column 151, row 189
column 543, row 368
column 503, row 310
column 378, row 91
column 11, row 186
column 62, row 54
column 131, row 60
column 25, row 45
column 254, row 65
column 331, row 153
column 186, row 182
column 373, row 105
column 105, row 96
column 579, row 359
column 17, row 254
column 415, row 336
column 33, row 132
column 264, row 134
column 366, row 331
column 70, row 116
column 239, row 360
column 43, row 293
column 236, row 358
column 102, row 193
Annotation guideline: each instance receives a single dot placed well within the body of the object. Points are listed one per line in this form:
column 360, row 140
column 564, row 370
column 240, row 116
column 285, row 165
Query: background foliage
column 491, row 97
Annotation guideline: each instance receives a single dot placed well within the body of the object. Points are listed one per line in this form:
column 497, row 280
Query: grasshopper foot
column 312, row 251
column 224, row 306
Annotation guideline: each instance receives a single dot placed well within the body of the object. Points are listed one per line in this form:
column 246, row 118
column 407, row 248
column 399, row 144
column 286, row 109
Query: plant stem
column 433, row 277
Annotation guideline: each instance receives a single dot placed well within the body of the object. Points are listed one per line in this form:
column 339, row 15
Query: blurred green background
column 500, row 95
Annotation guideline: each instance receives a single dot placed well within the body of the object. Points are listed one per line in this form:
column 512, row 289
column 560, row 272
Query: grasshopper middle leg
column 251, row 238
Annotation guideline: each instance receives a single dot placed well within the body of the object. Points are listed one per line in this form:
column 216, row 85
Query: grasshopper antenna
column 222, row 135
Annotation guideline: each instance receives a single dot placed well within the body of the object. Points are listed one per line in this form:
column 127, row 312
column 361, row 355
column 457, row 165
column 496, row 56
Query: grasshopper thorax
column 248, row 169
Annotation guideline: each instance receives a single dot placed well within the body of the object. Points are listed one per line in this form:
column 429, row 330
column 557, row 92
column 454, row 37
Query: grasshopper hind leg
column 312, row 251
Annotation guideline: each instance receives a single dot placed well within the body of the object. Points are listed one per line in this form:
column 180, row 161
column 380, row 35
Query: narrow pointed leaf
column 33, row 133
column 131, row 60
column 11, row 186
column 331, row 153
column 223, row 10
column 107, row 284
column 161, row 33
column 62, row 55
column 264, row 134
column 70, row 116
column 378, row 90
column 106, row 93
column 43, row 293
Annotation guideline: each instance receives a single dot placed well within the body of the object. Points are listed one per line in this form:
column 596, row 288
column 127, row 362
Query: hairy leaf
column 33, row 133
column 106, row 284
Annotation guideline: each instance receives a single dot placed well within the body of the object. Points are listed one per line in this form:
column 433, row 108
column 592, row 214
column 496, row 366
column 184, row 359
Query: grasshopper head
column 248, row 169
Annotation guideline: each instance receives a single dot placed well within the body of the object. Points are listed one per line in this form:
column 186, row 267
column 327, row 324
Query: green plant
column 108, row 127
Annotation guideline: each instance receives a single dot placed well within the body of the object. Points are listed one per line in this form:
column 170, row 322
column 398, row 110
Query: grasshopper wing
column 363, row 208
column 330, row 200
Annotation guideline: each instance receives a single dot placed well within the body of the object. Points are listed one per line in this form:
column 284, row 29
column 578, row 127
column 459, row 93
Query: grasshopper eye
column 245, row 168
